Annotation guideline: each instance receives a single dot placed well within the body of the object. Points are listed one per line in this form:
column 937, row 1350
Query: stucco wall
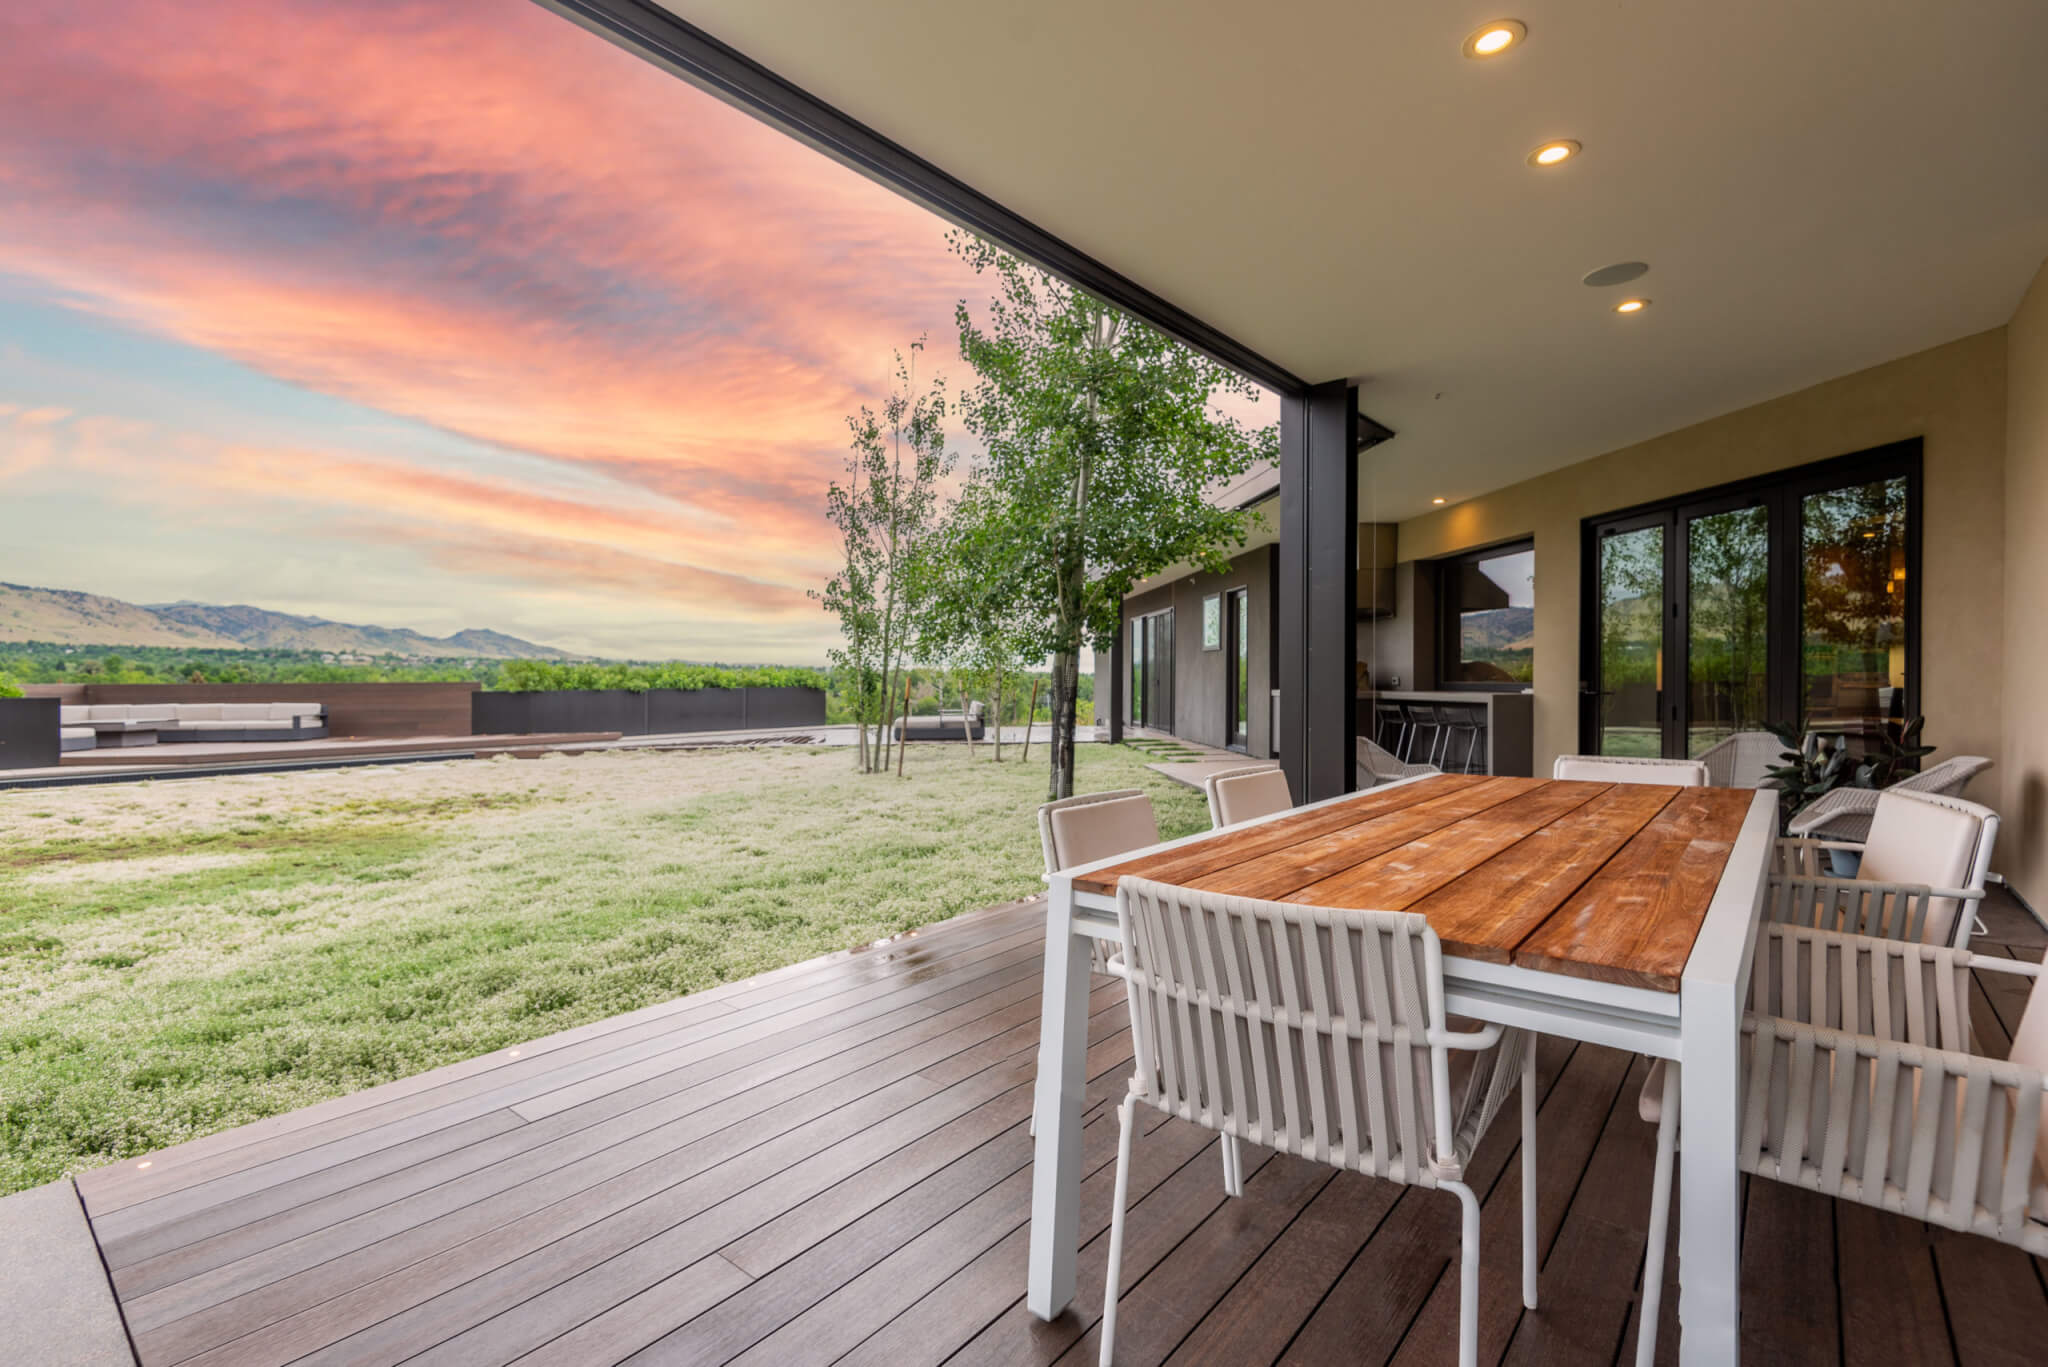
column 1953, row 396
column 2023, row 763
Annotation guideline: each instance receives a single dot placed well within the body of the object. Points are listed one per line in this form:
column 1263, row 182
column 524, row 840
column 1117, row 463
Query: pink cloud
column 475, row 215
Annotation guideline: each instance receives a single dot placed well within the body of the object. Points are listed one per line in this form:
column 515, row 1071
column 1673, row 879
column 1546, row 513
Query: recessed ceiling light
column 1620, row 273
column 1554, row 153
column 143, row 1164
column 1632, row 306
column 1490, row 40
column 1436, row 500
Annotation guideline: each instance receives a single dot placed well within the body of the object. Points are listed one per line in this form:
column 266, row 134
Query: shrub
column 8, row 688
column 542, row 676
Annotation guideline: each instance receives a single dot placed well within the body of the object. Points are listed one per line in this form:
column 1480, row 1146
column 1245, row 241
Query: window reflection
column 1853, row 613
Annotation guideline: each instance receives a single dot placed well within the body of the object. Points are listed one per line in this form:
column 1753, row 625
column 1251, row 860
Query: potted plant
column 1815, row 765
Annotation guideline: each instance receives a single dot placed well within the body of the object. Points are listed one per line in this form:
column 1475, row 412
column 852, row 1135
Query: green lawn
column 181, row 957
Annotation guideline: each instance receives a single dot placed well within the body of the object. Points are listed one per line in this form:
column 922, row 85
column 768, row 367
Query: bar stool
column 1421, row 719
column 1468, row 720
column 1390, row 727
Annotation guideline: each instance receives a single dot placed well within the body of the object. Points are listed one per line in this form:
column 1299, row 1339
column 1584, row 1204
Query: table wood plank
column 1190, row 862
column 1274, row 876
column 1394, row 880
column 1497, row 905
column 1634, row 922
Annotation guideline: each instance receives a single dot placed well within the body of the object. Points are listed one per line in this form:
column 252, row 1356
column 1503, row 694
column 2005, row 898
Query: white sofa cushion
column 245, row 711
column 103, row 711
column 198, row 711
column 153, row 712
column 73, row 714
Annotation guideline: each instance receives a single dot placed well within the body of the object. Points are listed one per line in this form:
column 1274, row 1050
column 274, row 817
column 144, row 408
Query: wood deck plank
column 865, row 1195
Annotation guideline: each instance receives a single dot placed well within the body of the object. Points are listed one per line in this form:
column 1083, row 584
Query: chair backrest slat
column 1315, row 1031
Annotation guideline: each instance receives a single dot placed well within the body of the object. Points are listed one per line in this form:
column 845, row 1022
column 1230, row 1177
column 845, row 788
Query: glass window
column 1853, row 607
column 1490, row 617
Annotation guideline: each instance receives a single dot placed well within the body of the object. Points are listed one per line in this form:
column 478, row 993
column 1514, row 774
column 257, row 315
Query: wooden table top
column 1598, row 880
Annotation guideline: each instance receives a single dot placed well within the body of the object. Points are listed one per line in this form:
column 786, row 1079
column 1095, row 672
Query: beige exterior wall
column 2023, row 764
column 1953, row 396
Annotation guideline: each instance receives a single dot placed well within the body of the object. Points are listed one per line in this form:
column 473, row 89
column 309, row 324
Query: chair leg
column 1233, row 1167
column 1660, row 1219
column 1115, row 1272
column 1468, row 1277
column 1529, row 1173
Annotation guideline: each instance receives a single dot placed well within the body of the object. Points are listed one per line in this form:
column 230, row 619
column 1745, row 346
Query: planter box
column 659, row 711
column 28, row 733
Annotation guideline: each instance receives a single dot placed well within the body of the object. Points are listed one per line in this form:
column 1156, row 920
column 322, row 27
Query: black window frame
column 1783, row 492
column 1449, row 630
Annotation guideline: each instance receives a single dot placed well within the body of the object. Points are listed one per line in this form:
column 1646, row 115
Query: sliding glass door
column 1152, row 670
column 1784, row 599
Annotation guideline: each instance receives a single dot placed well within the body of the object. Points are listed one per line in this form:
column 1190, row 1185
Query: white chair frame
column 1320, row 1033
column 1686, row 773
column 1860, row 1085
column 1740, row 760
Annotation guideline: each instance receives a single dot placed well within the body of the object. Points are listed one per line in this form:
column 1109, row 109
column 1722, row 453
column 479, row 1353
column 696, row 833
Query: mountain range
column 68, row 617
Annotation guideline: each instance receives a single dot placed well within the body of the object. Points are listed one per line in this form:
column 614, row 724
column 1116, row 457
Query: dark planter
column 671, row 710
column 659, row 711
column 28, row 733
column 785, row 707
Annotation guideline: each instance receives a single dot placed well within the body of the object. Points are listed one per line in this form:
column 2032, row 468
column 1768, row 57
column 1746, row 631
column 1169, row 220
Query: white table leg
column 1709, row 1184
column 1062, row 1079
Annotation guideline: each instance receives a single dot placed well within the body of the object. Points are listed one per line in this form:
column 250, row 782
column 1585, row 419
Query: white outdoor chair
column 1241, row 794
column 1686, row 773
column 1845, row 814
column 1921, row 875
column 1091, row 826
column 1860, row 1085
column 1742, row 760
column 1377, row 765
column 1319, row 1033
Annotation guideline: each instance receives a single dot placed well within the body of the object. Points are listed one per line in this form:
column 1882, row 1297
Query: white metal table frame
column 1700, row 1026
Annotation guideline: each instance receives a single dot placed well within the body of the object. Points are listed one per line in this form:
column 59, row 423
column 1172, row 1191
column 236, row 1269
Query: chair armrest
column 1842, row 802
column 1887, row 988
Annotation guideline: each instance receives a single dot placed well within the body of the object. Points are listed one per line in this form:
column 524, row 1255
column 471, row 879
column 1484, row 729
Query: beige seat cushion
column 101, row 711
column 245, row 711
column 198, row 711
column 1918, row 839
column 1686, row 773
column 1097, row 830
column 153, row 712
column 2030, row 1048
column 73, row 714
column 1242, row 797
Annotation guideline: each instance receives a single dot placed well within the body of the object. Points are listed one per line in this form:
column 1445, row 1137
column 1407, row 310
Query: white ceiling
column 1817, row 185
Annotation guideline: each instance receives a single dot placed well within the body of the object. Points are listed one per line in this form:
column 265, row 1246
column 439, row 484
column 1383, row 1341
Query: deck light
column 1632, row 306
column 1490, row 40
column 1436, row 500
column 1554, row 153
column 143, row 1164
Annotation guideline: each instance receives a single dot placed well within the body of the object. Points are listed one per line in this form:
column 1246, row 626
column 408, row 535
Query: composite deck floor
column 829, row 1164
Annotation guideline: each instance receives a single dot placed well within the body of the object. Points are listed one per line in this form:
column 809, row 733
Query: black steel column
column 1116, row 684
column 1318, row 589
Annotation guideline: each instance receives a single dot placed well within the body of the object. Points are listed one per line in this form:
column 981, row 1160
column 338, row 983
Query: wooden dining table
column 1619, row 914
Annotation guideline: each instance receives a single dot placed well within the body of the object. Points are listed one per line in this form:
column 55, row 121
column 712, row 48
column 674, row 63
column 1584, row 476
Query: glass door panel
column 1631, row 677
column 1853, row 607
column 1727, row 613
column 1239, row 642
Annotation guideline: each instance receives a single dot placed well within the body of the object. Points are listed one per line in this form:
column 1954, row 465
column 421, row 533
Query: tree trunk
column 1066, row 674
column 903, row 741
column 1030, row 715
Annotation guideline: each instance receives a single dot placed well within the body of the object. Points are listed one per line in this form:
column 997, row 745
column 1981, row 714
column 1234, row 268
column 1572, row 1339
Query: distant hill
column 67, row 617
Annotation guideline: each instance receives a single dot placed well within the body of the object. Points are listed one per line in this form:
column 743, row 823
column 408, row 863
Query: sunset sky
column 431, row 313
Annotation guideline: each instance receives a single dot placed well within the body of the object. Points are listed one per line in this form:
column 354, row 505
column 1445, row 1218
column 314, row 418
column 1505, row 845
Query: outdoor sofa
column 113, row 725
column 943, row 725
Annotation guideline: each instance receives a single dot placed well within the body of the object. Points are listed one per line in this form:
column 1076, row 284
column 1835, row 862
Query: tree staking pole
column 1030, row 715
column 903, row 740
